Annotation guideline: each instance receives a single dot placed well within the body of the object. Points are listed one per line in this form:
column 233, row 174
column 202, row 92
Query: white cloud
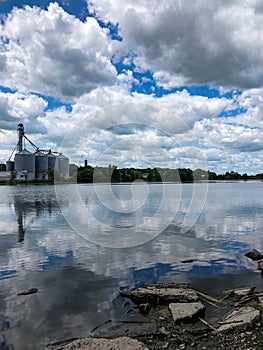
column 181, row 105
column 174, row 115
column 188, row 121
column 234, row 137
column 200, row 43
column 17, row 107
column 54, row 53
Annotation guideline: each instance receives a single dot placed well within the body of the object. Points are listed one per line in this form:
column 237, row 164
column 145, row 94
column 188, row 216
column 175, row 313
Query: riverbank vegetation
column 89, row 174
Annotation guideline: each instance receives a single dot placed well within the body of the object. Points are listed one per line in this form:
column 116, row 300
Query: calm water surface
column 78, row 280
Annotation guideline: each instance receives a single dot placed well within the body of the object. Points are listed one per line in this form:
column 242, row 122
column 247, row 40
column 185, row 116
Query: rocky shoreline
column 177, row 317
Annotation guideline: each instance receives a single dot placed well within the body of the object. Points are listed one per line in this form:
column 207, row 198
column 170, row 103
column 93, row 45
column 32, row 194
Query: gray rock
column 260, row 300
column 254, row 255
column 104, row 344
column 243, row 291
column 183, row 311
column 240, row 317
column 260, row 265
column 159, row 293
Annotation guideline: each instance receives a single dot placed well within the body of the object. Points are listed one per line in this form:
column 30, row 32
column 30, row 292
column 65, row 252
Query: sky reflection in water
column 78, row 281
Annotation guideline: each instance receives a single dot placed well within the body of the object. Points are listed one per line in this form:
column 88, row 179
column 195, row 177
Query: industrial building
column 35, row 165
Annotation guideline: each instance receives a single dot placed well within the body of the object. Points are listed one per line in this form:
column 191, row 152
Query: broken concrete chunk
column 239, row 317
column 254, row 255
column 184, row 312
column 121, row 343
column 162, row 294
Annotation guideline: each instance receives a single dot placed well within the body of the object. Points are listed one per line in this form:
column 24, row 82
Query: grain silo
column 62, row 165
column 25, row 165
column 10, row 165
column 51, row 160
column 30, row 166
column 41, row 166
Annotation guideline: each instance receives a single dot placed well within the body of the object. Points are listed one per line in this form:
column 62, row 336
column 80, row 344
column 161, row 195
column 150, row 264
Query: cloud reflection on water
column 78, row 281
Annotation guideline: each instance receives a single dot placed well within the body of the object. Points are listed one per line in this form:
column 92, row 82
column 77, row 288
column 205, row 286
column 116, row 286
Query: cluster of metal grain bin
column 35, row 165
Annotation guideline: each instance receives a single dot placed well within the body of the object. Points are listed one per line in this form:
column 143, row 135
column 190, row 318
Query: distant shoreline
column 40, row 182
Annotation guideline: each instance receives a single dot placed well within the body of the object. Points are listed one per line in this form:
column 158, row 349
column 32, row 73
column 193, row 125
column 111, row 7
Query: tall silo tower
column 24, row 160
column 20, row 133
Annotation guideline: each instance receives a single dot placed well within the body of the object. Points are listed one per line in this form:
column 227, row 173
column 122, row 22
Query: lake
column 80, row 244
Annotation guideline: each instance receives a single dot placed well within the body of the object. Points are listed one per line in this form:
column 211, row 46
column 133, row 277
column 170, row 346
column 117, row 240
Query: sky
column 137, row 83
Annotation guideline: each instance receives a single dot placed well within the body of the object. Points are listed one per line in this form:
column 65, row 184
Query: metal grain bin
column 41, row 162
column 62, row 165
column 25, row 162
column 51, row 160
column 10, row 165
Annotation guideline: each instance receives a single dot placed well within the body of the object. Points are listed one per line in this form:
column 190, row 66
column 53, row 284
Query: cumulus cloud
column 15, row 107
column 109, row 119
column 225, row 135
column 180, row 105
column 145, row 125
column 201, row 42
column 54, row 53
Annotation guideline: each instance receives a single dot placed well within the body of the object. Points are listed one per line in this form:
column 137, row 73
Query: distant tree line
column 89, row 174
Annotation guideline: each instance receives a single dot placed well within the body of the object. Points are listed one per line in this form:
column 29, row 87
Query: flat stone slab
column 240, row 317
column 160, row 293
column 121, row 343
column 243, row 291
column 183, row 311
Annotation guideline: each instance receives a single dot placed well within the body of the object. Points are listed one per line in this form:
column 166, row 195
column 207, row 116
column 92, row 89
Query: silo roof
column 62, row 156
column 38, row 153
column 25, row 151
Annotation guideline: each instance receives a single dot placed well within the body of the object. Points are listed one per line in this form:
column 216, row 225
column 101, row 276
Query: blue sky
column 193, row 74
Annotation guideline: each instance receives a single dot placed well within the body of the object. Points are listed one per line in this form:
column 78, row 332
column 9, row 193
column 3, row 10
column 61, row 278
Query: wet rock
column 29, row 291
column 239, row 317
column 162, row 293
column 144, row 308
column 260, row 265
column 185, row 312
column 254, row 255
column 188, row 261
column 260, row 300
column 131, row 328
column 243, row 291
column 104, row 344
